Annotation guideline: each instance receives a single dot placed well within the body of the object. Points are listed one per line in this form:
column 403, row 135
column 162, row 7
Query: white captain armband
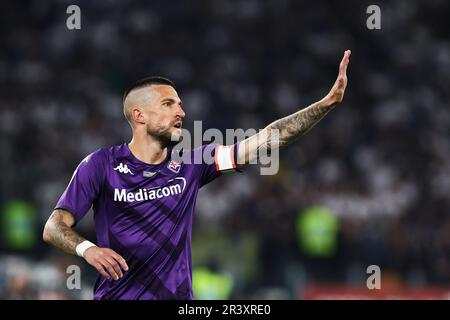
column 224, row 158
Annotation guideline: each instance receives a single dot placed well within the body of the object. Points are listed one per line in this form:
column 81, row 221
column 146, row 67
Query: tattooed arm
column 286, row 130
column 58, row 232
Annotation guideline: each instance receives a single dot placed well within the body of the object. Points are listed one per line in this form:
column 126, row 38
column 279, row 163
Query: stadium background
column 368, row 186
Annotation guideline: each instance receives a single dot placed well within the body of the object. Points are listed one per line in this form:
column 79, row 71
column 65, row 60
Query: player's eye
column 167, row 104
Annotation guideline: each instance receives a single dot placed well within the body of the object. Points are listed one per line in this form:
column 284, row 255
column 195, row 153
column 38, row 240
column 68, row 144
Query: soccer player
column 143, row 200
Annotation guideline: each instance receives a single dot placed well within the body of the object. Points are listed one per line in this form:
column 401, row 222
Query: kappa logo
column 174, row 166
column 122, row 168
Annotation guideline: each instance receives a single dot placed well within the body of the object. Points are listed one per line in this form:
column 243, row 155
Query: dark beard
column 164, row 138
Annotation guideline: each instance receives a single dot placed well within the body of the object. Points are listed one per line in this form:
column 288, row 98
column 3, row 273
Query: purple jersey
column 144, row 212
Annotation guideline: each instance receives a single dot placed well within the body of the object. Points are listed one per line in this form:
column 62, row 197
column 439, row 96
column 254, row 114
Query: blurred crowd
column 369, row 185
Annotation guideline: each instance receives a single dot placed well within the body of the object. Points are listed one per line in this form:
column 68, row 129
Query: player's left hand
column 336, row 93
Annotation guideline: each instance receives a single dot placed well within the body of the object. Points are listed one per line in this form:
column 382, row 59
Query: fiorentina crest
column 174, row 166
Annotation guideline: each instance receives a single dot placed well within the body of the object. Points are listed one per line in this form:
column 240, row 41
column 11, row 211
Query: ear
column 137, row 115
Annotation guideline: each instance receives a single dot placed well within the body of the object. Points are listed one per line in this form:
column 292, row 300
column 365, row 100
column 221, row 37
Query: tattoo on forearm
column 60, row 234
column 265, row 147
column 295, row 125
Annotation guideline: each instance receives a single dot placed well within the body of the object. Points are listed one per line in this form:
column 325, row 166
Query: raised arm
column 284, row 131
column 58, row 232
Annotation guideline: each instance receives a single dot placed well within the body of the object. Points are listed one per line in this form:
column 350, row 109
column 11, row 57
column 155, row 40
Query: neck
column 147, row 149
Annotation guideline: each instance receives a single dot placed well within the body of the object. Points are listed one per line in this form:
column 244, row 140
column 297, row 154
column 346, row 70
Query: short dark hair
column 147, row 81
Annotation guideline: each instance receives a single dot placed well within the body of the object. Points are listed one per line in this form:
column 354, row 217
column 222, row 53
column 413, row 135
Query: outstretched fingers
column 336, row 93
column 344, row 63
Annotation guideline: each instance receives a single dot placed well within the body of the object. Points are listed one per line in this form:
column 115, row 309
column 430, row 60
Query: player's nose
column 180, row 112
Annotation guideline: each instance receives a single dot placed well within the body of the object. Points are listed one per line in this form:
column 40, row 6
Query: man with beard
column 144, row 201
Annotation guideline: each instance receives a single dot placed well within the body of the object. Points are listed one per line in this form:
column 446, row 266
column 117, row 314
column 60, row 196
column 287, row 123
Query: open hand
column 336, row 93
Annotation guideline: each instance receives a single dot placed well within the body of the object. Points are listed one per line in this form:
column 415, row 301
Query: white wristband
column 81, row 248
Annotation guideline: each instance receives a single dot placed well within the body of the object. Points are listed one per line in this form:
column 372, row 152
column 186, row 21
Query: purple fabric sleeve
column 84, row 186
column 209, row 169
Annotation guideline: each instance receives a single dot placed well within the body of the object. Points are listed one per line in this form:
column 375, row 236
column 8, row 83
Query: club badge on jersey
column 174, row 166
